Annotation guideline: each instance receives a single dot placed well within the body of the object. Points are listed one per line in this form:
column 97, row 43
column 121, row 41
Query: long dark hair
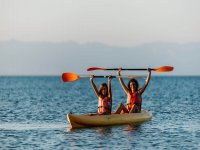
column 136, row 83
column 101, row 87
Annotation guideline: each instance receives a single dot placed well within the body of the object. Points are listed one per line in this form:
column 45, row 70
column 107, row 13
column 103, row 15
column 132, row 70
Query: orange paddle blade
column 163, row 69
column 69, row 77
column 95, row 68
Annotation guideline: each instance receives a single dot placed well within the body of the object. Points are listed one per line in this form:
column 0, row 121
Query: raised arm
column 109, row 87
column 146, row 82
column 94, row 86
column 122, row 83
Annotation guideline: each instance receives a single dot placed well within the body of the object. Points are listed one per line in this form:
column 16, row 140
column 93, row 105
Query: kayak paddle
column 69, row 77
column 160, row 69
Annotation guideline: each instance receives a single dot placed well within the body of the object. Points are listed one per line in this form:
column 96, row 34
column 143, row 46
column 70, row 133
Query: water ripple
column 33, row 115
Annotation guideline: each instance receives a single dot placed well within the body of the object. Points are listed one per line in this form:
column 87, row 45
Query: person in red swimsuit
column 134, row 94
column 104, row 95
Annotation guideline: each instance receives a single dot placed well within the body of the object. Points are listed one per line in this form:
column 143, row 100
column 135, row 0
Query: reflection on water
column 108, row 129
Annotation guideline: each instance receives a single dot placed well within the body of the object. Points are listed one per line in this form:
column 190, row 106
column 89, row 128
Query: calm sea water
column 33, row 115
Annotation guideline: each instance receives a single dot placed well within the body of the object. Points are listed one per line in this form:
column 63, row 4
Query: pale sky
column 112, row 22
column 48, row 37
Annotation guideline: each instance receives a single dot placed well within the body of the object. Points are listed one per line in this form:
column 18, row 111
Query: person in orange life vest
column 104, row 96
column 134, row 95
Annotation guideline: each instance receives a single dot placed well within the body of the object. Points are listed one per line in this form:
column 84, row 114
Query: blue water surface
column 33, row 115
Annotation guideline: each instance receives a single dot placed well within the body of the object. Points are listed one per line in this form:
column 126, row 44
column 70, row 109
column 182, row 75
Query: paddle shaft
column 125, row 69
column 160, row 69
column 68, row 76
column 108, row 76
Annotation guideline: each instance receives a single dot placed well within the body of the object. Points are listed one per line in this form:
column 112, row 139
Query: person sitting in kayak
column 104, row 96
column 134, row 95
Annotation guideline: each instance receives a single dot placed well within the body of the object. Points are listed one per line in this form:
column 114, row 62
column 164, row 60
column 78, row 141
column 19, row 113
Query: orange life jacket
column 105, row 105
column 133, row 100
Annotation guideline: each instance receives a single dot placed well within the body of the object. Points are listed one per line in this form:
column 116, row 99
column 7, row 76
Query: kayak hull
column 85, row 120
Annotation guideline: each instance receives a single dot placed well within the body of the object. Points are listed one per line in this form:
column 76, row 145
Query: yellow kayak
column 81, row 121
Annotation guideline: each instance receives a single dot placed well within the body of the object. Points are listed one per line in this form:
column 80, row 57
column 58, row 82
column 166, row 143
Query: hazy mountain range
column 43, row 58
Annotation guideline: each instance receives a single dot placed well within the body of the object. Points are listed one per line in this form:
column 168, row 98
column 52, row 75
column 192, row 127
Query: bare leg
column 120, row 108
